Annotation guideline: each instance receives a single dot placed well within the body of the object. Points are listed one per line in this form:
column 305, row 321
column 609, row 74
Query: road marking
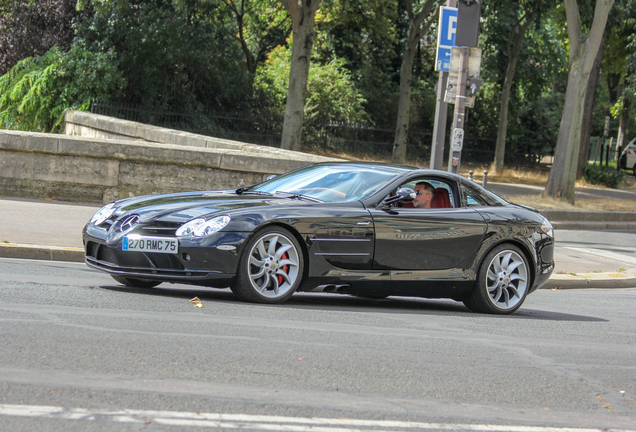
column 260, row 422
column 625, row 259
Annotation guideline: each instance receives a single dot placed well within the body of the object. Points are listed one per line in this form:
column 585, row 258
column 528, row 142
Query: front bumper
column 198, row 262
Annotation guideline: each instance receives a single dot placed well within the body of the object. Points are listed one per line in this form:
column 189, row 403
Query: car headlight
column 202, row 228
column 103, row 214
column 546, row 228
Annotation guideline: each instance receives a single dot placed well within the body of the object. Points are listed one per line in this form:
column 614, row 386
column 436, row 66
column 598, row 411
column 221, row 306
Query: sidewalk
column 47, row 230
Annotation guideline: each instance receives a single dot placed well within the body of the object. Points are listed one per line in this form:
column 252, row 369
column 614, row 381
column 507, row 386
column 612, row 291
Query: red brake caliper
column 285, row 268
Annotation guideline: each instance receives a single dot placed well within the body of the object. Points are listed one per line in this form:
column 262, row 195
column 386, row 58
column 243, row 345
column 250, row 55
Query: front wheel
column 271, row 267
column 503, row 281
column 136, row 283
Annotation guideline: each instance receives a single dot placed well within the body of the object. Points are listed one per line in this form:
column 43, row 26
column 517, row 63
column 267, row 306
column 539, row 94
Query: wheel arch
column 522, row 246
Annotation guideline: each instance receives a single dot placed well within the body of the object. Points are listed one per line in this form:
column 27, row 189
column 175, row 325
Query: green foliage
column 170, row 60
column 39, row 90
column 536, row 98
column 331, row 93
column 366, row 35
column 30, row 28
column 259, row 27
column 599, row 175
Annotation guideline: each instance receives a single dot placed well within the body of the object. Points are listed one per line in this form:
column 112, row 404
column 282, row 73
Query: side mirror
column 403, row 194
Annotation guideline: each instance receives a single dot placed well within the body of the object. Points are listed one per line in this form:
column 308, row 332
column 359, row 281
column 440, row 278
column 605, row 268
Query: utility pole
column 457, row 137
column 468, row 16
column 441, row 109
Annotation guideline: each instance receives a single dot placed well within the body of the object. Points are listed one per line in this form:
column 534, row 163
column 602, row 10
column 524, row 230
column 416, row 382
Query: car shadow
column 347, row 303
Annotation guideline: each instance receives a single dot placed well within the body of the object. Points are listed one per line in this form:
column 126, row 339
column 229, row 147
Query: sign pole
column 457, row 137
column 439, row 128
column 441, row 109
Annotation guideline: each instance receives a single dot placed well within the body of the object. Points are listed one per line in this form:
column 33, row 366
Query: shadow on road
column 347, row 303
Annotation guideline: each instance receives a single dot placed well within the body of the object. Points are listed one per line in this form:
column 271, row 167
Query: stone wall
column 95, row 169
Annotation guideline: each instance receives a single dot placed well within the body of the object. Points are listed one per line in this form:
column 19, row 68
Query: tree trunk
column 563, row 173
column 513, row 57
column 303, row 19
column 416, row 31
column 588, row 110
column 404, row 106
column 623, row 126
column 583, row 50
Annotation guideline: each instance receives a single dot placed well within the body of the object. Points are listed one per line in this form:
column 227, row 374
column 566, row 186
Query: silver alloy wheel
column 273, row 265
column 507, row 279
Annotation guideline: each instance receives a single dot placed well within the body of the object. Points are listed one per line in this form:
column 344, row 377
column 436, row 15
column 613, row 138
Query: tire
column 136, row 283
column 634, row 170
column 271, row 267
column 503, row 281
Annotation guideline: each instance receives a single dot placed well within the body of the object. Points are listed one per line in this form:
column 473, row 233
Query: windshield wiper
column 249, row 192
column 294, row 195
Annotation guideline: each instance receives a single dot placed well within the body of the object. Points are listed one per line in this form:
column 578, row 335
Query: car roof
column 397, row 168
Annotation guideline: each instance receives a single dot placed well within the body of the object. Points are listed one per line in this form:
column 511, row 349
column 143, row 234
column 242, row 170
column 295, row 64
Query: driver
column 425, row 193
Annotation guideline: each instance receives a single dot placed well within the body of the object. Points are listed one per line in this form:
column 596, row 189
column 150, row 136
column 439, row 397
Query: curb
column 52, row 253
column 591, row 280
column 596, row 226
column 556, row 281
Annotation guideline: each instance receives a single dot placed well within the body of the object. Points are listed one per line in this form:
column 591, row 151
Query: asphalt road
column 592, row 251
column 79, row 352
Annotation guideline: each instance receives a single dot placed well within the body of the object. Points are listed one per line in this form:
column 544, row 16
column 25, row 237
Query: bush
column 331, row 93
column 596, row 174
column 36, row 92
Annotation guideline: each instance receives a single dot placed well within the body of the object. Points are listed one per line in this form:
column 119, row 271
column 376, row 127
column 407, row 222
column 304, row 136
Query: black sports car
column 349, row 228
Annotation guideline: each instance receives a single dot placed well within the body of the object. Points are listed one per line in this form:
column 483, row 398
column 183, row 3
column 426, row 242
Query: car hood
column 191, row 205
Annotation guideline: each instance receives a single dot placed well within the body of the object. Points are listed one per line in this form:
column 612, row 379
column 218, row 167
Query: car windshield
column 332, row 183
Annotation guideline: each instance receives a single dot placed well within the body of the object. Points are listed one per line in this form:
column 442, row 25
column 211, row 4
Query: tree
column 173, row 58
column 303, row 16
column 29, row 28
column 36, row 92
column 524, row 14
column 261, row 28
column 618, row 65
column 588, row 110
column 331, row 94
column 583, row 49
column 367, row 35
column 418, row 27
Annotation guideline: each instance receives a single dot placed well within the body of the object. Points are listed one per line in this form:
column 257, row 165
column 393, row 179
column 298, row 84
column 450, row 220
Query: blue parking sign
column 447, row 29
column 443, row 59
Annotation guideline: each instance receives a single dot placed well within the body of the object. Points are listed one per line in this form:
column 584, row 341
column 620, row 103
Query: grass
column 541, row 203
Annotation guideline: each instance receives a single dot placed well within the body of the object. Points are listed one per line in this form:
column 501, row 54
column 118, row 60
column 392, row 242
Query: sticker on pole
column 458, row 139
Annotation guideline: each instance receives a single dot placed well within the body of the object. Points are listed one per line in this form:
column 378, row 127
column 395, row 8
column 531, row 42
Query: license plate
column 151, row 244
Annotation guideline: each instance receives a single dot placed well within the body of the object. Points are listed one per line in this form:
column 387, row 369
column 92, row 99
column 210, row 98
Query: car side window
column 443, row 197
column 473, row 198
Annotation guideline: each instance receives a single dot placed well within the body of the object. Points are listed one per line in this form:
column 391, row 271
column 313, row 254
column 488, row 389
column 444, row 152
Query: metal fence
column 359, row 141
column 603, row 149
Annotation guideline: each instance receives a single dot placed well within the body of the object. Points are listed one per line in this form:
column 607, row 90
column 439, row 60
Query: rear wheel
column 503, row 281
column 271, row 267
column 134, row 282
